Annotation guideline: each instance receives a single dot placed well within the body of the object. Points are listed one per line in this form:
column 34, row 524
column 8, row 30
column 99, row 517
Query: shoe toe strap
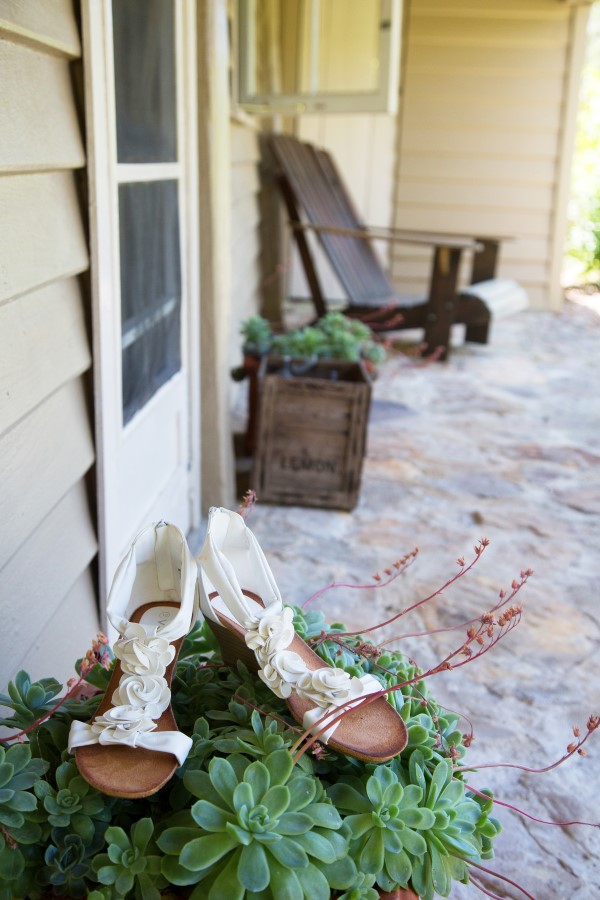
column 174, row 742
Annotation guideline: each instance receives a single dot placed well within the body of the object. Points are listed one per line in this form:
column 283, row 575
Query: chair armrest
column 429, row 239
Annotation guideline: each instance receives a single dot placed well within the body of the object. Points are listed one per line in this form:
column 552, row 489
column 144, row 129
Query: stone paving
column 502, row 442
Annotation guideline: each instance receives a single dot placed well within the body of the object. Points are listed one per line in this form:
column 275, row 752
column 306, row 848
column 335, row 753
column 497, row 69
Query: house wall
column 483, row 133
column 47, row 538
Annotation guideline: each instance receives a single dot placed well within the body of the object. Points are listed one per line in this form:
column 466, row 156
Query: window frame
column 384, row 99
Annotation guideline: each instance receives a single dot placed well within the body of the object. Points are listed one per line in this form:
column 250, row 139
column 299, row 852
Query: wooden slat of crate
column 311, row 439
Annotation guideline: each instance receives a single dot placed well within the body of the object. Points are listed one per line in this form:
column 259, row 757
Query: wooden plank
column 493, row 196
column 40, row 575
column 440, row 168
column 490, row 87
column 52, row 318
column 480, row 61
column 44, row 235
column 41, row 458
column 451, row 110
column 530, row 9
column 516, row 143
column 38, row 120
column 72, row 627
column 38, row 23
column 516, row 222
column 452, row 30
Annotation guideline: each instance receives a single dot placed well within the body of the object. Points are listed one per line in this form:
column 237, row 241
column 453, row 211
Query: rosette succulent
column 73, row 803
column 259, row 828
column 129, row 863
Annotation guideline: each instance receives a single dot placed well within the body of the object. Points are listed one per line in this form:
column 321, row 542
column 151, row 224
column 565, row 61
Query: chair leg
column 441, row 308
column 478, row 334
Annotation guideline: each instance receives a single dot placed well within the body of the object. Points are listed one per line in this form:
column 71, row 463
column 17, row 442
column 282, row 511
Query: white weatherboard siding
column 47, row 536
column 245, row 250
column 481, row 132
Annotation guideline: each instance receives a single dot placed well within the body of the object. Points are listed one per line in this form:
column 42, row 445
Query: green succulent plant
column 462, row 828
column 221, row 819
column 129, row 863
column 257, row 335
column 260, row 828
column 386, row 820
column 362, row 889
column 74, row 803
column 18, row 773
column 68, row 864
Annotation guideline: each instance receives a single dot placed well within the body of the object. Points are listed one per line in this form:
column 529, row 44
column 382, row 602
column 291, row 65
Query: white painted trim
column 105, row 174
column 126, row 173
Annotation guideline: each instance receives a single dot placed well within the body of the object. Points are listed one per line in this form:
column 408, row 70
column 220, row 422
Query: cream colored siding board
column 76, row 621
column 41, row 458
column 489, row 195
column 45, row 239
column 244, row 183
column 486, row 32
column 244, row 145
column 506, row 111
column 49, row 24
column 463, row 169
column 496, row 86
column 480, row 130
column 494, row 9
column 52, row 318
column 38, row 123
column 35, row 582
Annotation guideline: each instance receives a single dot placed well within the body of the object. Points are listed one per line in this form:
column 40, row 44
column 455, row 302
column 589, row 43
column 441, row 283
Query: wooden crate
column 312, row 435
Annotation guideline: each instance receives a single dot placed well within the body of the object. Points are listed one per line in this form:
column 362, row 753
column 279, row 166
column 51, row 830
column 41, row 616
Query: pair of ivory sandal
column 132, row 747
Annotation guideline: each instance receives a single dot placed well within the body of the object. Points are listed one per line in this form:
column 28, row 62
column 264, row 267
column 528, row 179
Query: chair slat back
column 312, row 177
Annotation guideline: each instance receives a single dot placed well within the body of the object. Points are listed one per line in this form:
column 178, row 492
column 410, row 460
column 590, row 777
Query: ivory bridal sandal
column 132, row 746
column 242, row 604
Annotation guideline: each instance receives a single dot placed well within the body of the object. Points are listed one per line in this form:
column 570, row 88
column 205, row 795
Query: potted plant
column 258, row 811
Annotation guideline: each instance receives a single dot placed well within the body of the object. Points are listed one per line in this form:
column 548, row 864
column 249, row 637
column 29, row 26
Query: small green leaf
column 223, row 779
column 280, row 765
column 243, row 797
column 257, row 776
column 324, row 815
column 253, row 868
column 398, row 867
column 173, row 840
column 204, row 851
column 289, row 853
column 318, row 846
column 294, row 823
column 141, row 833
column 209, row 816
column 276, row 800
column 373, row 853
column 313, row 883
column 302, row 792
column 226, row 886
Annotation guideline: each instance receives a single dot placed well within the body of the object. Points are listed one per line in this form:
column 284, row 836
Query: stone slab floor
column 503, row 441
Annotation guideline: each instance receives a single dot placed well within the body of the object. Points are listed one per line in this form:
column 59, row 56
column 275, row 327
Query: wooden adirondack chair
column 317, row 200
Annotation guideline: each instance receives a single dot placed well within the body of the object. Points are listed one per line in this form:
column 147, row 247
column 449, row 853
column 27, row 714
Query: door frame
column 105, row 275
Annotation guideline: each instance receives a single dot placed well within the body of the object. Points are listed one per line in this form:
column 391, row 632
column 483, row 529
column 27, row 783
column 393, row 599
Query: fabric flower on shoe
column 282, row 672
column 142, row 654
column 122, row 725
column 274, row 631
column 329, row 686
column 149, row 692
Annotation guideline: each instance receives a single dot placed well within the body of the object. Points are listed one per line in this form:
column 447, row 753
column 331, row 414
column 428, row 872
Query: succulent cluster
column 335, row 336
column 243, row 819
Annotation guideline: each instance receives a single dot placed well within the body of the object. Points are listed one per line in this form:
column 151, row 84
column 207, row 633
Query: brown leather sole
column 130, row 772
